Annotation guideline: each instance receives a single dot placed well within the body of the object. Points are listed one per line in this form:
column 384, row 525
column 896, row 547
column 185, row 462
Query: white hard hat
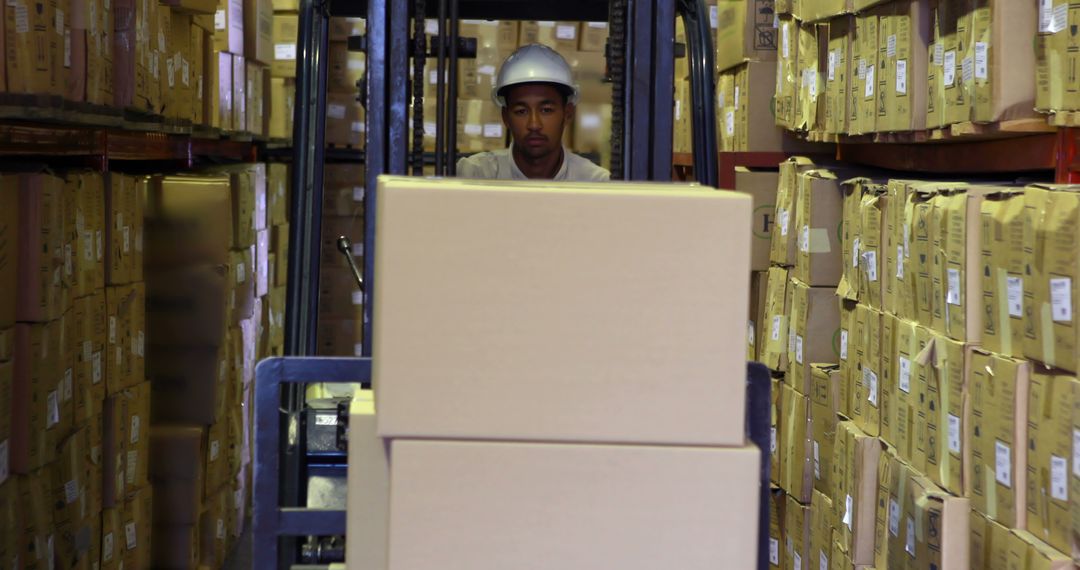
column 534, row 63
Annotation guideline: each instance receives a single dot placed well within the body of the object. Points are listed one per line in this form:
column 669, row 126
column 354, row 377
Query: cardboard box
column 219, row 89
column 947, row 411
column 902, row 88
column 187, row 306
column 815, row 324
column 345, row 124
column 369, row 486
column 124, row 230
column 258, row 30
column 627, row 490
column 788, row 77
column 818, row 217
column 898, row 504
column 35, row 395
column 886, row 463
column 797, row 525
column 286, row 27
column 797, row 467
column 745, row 31
column 824, row 417
column 758, row 289
column 241, row 283
column 998, row 434
column 189, row 383
column 777, row 506
column 1055, row 90
column 176, row 471
column 190, row 219
column 7, row 378
column 282, row 97
column 873, row 210
column 10, row 523
column 762, row 186
column 1051, row 334
column 839, row 74
column 508, row 207
column 866, row 49
column 849, row 361
column 813, row 45
column 229, row 27
column 195, row 73
column 9, row 248
column 126, row 326
column 85, row 193
column 900, row 421
column 776, row 433
column 821, row 530
column 935, row 507
column 868, row 374
column 38, row 540
column 593, row 36
column 277, row 192
column 851, row 236
column 342, row 28
column 39, row 295
column 35, row 53
column 346, row 68
column 898, row 293
column 774, row 330
column 89, row 318
column 126, row 445
column 1052, row 419
column 961, row 210
column 239, row 93
column 783, row 243
column 856, row 456
column 1002, row 278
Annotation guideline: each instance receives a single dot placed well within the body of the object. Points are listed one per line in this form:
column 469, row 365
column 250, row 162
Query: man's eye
column 547, row 110
column 521, row 112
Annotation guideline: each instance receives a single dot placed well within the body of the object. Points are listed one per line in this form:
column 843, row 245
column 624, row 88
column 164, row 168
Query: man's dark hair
column 563, row 90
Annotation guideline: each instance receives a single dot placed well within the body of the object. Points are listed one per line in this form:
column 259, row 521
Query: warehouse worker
column 537, row 96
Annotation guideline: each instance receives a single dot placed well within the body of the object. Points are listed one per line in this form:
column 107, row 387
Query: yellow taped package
column 1002, row 274
column 815, row 324
column 796, row 475
column 866, row 402
column 773, row 331
column 838, row 74
column 824, row 416
column 998, row 388
column 1052, row 477
column 818, row 223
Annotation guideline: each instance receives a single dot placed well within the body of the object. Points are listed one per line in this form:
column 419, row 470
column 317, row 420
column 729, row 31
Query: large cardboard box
column 85, row 193
column 126, row 346
column 777, row 550
column 818, row 218
column 705, row 337
column 821, row 529
column 190, row 220
column 783, row 243
column 35, row 48
column 189, row 383
column 40, row 296
column 902, row 88
column 812, row 60
column 35, row 395
column 898, row 294
column 1051, row 281
column 998, row 434
column 1052, row 420
column 229, row 27
column 776, row 432
column 856, row 456
column 1055, row 89
column 346, row 68
column 345, row 124
column 369, row 487
column 258, row 30
column 176, row 472
column 871, row 243
column 89, row 316
column 851, row 236
column 815, row 324
column 286, row 28
column 797, row 531
column 746, row 30
column 900, row 421
column 188, row 306
column 863, row 106
column 762, row 186
column 600, row 505
column 839, row 74
column 126, row 444
column 797, row 468
column 961, row 268
column 1002, row 247
column 946, row 410
column 282, row 96
column 788, row 77
column 824, row 417
column 867, row 375
column 774, row 329
column 124, row 230
column 933, row 507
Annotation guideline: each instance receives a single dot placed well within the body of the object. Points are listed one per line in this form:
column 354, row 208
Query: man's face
column 536, row 116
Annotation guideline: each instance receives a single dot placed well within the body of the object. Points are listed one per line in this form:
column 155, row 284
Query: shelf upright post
column 649, row 75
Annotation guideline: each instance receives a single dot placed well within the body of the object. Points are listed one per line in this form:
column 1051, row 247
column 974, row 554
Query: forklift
column 300, row 460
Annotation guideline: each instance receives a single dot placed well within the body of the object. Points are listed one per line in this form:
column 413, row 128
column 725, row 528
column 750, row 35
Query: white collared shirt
column 500, row 165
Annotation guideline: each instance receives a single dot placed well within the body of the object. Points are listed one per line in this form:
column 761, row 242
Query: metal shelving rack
column 641, row 63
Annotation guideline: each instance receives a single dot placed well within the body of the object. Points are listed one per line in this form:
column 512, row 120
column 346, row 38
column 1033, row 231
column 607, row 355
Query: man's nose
column 534, row 121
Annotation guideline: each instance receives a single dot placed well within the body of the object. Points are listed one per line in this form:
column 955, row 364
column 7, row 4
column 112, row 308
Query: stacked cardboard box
column 596, row 488
column 951, row 400
column 911, row 65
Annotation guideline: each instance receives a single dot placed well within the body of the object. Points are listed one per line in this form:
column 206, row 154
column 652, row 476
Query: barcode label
column 905, row 375
column 894, row 517
column 1059, row 478
column 1061, row 299
column 954, row 434
column 1015, row 286
column 1002, row 463
column 952, row 297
